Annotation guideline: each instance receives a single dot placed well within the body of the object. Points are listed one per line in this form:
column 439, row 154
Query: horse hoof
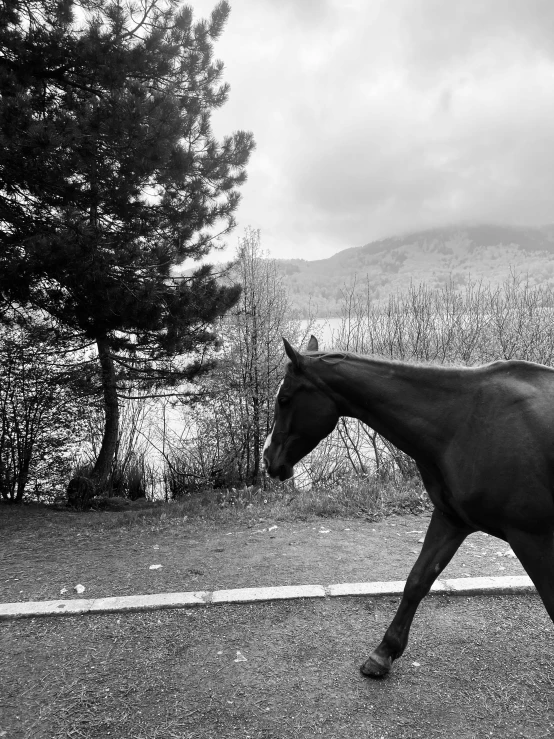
column 373, row 667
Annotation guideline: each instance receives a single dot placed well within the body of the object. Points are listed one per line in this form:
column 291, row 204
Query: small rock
column 63, row 590
column 416, row 664
column 79, row 588
column 240, row 657
column 155, row 567
column 420, row 541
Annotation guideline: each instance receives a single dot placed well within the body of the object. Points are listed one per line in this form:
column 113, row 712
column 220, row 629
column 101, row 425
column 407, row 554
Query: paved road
column 475, row 667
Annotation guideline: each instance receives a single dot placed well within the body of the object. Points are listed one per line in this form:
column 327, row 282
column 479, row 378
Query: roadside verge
column 157, row 601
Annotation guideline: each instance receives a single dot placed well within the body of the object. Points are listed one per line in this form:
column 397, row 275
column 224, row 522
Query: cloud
column 437, row 35
column 373, row 118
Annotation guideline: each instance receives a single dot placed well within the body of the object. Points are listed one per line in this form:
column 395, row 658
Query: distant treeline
column 436, row 258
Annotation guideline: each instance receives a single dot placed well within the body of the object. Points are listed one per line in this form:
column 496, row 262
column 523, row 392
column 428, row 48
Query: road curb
column 158, row 601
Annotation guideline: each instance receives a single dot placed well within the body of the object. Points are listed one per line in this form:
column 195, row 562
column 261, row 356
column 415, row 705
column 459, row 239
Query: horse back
column 499, row 463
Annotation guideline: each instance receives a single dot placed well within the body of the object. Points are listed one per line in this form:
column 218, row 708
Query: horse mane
column 336, row 357
column 333, row 357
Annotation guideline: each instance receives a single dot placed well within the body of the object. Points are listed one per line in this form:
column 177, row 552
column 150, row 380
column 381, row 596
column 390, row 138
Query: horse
column 482, row 439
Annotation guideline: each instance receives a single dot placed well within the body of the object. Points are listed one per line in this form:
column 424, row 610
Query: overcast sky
column 376, row 117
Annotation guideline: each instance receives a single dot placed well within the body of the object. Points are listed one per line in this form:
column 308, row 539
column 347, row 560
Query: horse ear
column 313, row 345
column 292, row 354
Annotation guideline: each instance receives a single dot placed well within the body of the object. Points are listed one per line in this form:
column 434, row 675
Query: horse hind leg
column 536, row 554
column 442, row 540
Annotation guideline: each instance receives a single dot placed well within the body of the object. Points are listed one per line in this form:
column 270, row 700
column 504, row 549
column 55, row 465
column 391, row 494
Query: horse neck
column 412, row 406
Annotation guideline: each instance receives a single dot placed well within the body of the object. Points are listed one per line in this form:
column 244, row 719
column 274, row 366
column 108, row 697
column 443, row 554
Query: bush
column 128, row 481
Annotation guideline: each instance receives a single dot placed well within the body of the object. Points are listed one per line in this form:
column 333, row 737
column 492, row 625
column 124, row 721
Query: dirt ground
column 475, row 668
column 49, row 555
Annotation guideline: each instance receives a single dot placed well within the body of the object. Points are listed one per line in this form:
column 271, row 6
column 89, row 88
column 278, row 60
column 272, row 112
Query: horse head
column 304, row 415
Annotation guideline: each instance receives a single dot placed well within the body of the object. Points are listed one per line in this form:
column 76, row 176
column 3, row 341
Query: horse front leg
column 442, row 540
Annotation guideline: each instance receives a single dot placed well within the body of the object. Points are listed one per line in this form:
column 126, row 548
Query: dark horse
column 482, row 438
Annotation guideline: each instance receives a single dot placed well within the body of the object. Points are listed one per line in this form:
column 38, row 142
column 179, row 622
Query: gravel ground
column 475, row 667
column 44, row 555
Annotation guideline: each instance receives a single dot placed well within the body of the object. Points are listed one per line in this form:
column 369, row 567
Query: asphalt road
column 475, row 667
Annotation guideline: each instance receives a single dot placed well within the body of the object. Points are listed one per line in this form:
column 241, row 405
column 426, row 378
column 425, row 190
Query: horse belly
column 501, row 484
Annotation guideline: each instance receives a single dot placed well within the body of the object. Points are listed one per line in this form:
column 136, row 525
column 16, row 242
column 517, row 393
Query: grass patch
column 370, row 498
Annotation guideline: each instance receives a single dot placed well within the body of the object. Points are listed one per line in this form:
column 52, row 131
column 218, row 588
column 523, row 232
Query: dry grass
column 369, row 498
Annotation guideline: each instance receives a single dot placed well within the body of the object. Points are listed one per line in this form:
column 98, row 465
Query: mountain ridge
column 457, row 253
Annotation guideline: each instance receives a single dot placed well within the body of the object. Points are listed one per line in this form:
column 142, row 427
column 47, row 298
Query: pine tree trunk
column 103, row 464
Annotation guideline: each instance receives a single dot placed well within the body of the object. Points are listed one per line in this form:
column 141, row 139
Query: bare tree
column 472, row 325
column 232, row 422
column 40, row 417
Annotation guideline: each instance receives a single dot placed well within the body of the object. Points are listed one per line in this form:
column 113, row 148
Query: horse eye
column 283, row 401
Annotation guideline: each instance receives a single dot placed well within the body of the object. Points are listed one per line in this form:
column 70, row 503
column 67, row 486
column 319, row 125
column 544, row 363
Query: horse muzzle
column 285, row 472
column 281, row 471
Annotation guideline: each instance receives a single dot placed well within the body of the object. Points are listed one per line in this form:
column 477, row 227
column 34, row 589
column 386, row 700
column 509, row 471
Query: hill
column 457, row 253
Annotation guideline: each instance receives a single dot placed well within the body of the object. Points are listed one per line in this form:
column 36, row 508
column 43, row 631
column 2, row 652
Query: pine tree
column 110, row 177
